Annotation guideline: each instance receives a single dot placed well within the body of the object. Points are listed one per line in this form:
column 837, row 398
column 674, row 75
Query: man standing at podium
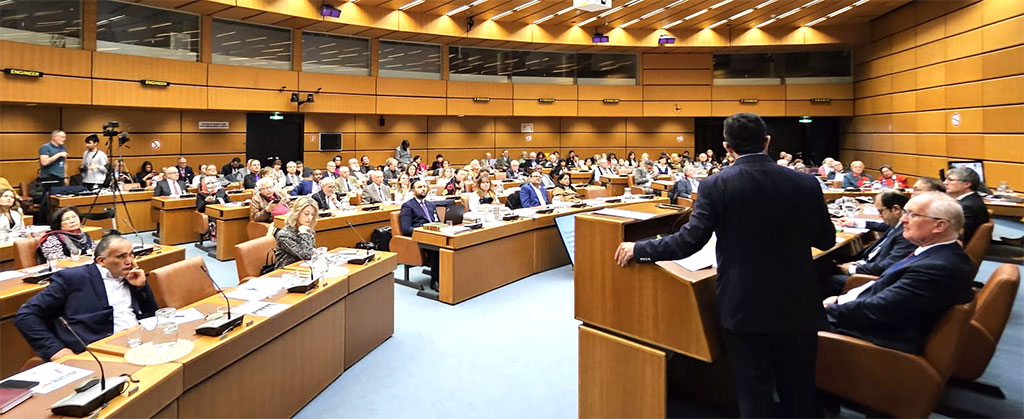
column 766, row 218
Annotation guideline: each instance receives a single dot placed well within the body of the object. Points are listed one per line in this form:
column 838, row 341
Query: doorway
column 811, row 141
column 267, row 139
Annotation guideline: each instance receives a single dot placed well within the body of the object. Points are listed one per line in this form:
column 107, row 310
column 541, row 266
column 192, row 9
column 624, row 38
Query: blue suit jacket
column 528, row 198
column 892, row 248
column 767, row 218
column 412, row 216
column 900, row 309
column 78, row 295
column 304, row 188
column 681, row 188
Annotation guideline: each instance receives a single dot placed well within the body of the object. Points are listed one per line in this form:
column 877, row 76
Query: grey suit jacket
column 370, row 195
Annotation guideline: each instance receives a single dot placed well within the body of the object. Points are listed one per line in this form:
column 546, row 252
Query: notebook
column 13, row 392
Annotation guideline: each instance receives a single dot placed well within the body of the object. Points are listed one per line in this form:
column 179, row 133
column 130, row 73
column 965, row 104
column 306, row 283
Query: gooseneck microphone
column 369, row 247
column 88, row 397
column 219, row 326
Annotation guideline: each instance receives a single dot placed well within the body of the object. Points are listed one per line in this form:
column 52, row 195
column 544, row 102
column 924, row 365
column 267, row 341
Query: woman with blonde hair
column 403, row 190
column 297, row 240
column 484, row 193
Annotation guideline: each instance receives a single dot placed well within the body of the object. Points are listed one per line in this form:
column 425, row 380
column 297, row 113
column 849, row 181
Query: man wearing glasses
column 962, row 184
column 899, row 309
column 885, row 252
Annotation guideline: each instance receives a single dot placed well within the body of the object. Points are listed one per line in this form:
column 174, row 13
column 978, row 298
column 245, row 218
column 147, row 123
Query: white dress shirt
column 120, row 298
column 541, row 195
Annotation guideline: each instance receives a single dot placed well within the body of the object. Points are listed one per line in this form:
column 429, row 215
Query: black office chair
column 107, row 214
column 513, row 201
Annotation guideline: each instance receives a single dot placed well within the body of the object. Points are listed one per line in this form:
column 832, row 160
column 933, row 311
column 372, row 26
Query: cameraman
column 94, row 164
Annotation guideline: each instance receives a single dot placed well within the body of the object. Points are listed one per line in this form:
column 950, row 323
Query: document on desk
column 257, row 289
column 706, row 257
column 5, row 275
column 51, row 376
column 181, row 317
column 621, row 213
column 260, row 308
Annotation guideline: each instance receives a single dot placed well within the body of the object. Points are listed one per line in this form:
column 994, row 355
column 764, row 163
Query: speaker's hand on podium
column 624, row 253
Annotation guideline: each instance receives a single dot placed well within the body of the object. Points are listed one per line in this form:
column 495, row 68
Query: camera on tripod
column 110, row 131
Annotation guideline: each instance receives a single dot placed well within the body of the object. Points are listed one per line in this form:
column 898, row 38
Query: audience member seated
column 489, row 161
column 356, row 170
column 328, row 198
column 685, row 186
column 564, row 191
column 826, row 167
column 233, row 171
column 438, row 163
column 309, row 186
column 484, row 193
column 417, row 160
column 514, row 172
column 838, row 172
column 145, row 175
column 11, row 220
column 292, row 175
column 171, row 186
column 856, row 178
column 249, row 181
column 185, row 171
column 297, row 239
column 643, row 177
column 662, row 167
column 883, row 253
column 346, row 182
column 899, row 309
column 446, row 176
column 928, row 184
column 963, row 184
column 445, row 166
column 332, row 171
column 392, row 171
column 411, row 171
column 267, row 202
column 77, row 295
column 210, row 192
column 457, row 185
column 65, row 236
column 702, row 163
column 532, row 193
column 603, row 168
column 417, row 212
column 403, row 189
column 364, row 165
column 377, row 191
column 503, row 162
column 890, row 179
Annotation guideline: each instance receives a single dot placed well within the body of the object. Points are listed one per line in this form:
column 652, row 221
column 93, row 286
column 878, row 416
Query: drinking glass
column 166, row 326
column 75, row 253
column 51, row 262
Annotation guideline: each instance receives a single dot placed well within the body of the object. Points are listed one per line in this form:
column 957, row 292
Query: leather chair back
column 591, row 192
column 995, row 302
column 408, row 251
column 181, row 283
column 941, row 346
column 256, row 230
column 500, row 175
column 685, row 202
column 251, row 255
column 25, row 253
column 629, row 181
column 200, row 223
column 978, row 246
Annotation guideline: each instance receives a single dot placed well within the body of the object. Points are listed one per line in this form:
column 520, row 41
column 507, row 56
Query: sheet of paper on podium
column 615, row 212
column 706, row 257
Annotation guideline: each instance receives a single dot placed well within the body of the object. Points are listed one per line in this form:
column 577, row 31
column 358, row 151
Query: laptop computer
column 454, row 214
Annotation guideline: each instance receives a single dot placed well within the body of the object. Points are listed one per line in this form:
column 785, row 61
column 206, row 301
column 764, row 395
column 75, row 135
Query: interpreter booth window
column 55, row 23
column 746, row 66
column 236, row 43
column 543, row 67
column 606, row 69
column 323, row 53
column 128, row 28
column 409, row 60
column 818, row 67
column 479, row 64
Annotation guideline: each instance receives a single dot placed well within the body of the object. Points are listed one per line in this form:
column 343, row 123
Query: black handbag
column 268, row 265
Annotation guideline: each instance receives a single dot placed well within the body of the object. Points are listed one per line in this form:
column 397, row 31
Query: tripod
column 112, row 185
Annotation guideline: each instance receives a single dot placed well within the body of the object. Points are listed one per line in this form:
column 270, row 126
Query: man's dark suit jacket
column 412, row 216
column 975, row 214
column 900, row 309
column 321, row 199
column 681, row 188
column 767, row 218
column 892, row 248
column 164, row 189
column 249, row 181
column 78, row 295
column 187, row 174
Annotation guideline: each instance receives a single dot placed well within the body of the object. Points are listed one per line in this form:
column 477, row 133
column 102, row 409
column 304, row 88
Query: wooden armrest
column 857, row 280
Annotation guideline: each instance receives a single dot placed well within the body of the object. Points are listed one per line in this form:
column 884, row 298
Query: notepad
column 51, row 376
column 706, row 257
column 621, row 213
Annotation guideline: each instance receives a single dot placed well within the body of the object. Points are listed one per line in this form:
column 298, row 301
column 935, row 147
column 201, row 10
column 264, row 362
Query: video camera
column 110, row 131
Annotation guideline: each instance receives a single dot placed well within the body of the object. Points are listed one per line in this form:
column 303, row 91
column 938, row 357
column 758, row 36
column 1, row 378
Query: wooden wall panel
column 677, row 108
column 496, row 107
column 515, row 124
column 593, row 125
column 337, row 83
column 677, row 93
column 809, row 91
column 230, row 99
column 658, row 140
column 677, row 61
column 592, row 108
column 967, row 61
column 396, row 105
column 535, row 108
column 411, row 87
column 670, row 125
column 606, row 140
column 252, row 78
column 377, row 141
column 537, row 141
column 535, row 91
column 391, row 124
column 443, row 124
column 24, row 146
column 463, row 89
column 135, row 68
column 46, row 89
column 48, row 60
column 14, row 118
column 735, row 93
column 763, row 108
column 833, row 108
column 677, row 77
column 460, row 158
column 131, row 120
column 599, row 93
column 190, row 121
column 452, row 140
column 341, row 103
column 134, row 94
column 192, row 143
column 329, row 123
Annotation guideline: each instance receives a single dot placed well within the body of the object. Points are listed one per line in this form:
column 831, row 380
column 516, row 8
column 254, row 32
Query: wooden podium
column 638, row 317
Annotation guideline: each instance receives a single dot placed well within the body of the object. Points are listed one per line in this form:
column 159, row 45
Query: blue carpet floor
column 512, row 353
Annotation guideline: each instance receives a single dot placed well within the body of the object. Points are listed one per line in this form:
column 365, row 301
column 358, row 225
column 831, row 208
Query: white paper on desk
column 52, row 376
column 5, row 275
column 269, row 284
column 249, row 294
column 259, row 308
column 865, row 220
column 869, row 210
column 181, row 317
column 706, row 257
column 854, row 230
column 615, row 212
column 454, row 229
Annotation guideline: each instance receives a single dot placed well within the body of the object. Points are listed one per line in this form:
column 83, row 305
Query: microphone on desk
column 144, row 249
column 218, row 326
column 88, row 397
column 363, row 244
